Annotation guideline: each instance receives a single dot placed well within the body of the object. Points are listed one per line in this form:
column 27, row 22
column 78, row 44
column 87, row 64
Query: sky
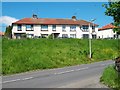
column 13, row 11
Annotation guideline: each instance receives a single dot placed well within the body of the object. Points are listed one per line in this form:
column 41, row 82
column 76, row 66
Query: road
column 80, row 76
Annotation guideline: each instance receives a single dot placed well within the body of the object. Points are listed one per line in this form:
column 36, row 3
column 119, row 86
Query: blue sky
column 82, row 10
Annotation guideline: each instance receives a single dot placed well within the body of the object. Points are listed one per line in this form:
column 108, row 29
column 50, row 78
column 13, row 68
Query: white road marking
column 27, row 78
column 54, row 73
column 11, row 81
column 17, row 80
column 70, row 71
column 81, row 69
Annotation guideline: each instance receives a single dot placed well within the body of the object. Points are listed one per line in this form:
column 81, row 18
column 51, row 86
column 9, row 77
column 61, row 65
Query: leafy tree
column 113, row 9
column 8, row 32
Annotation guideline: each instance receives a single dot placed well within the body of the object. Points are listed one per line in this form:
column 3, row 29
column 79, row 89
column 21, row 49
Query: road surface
column 80, row 76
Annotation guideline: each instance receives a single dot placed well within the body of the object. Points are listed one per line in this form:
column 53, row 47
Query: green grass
column 31, row 54
column 111, row 78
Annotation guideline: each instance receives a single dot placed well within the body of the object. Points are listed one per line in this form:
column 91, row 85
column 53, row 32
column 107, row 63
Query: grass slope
column 111, row 78
column 31, row 54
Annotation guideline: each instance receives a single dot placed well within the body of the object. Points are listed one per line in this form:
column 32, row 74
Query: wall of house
column 108, row 33
column 37, row 31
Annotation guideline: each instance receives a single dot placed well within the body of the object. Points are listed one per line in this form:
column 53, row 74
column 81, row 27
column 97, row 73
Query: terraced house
column 59, row 28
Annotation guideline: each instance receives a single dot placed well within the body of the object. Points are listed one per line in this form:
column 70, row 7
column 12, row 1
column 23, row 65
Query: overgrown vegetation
column 31, row 54
column 8, row 32
column 111, row 78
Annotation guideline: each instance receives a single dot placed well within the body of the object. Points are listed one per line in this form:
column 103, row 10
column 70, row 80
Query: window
column 29, row 27
column 73, row 28
column 72, row 35
column 44, row 35
column 19, row 27
column 93, row 27
column 85, row 35
column 94, row 36
column 85, row 28
column 64, row 35
column 44, row 27
column 54, row 27
column 63, row 27
column 30, row 35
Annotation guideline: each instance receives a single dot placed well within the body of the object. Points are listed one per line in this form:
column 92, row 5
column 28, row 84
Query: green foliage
column 23, row 36
column 111, row 78
column 31, row 54
column 50, row 36
column 8, row 32
column 113, row 9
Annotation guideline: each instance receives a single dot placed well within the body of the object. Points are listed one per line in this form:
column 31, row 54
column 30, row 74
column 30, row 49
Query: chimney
column 34, row 16
column 74, row 18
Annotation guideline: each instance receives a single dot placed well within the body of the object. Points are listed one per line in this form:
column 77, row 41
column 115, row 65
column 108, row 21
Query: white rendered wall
column 37, row 30
column 106, row 33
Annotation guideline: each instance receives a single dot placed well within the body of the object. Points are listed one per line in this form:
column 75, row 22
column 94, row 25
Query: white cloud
column 7, row 20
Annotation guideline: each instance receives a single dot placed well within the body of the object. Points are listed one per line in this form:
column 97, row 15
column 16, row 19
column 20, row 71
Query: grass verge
column 31, row 54
column 111, row 78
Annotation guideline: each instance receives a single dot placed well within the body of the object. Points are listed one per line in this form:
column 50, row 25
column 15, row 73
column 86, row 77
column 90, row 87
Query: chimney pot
column 74, row 18
column 34, row 16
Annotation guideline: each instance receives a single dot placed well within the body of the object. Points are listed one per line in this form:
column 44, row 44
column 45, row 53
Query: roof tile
column 108, row 26
column 52, row 21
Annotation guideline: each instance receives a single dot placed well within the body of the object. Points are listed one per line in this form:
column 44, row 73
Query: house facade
column 59, row 28
column 107, row 31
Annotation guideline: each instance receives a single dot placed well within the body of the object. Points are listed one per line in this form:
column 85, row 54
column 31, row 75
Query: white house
column 107, row 31
column 59, row 28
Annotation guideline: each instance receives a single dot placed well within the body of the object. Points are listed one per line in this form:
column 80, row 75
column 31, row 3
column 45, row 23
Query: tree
column 8, row 32
column 113, row 9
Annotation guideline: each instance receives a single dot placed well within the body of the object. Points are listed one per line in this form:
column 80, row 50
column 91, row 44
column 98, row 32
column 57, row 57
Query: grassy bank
column 111, row 78
column 31, row 54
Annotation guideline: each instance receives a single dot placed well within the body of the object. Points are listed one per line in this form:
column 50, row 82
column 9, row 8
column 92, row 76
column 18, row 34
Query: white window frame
column 85, row 28
column 73, row 28
column 53, row 27
column 64, row 28
column 29, row 27
column 43, row 28
column 19, row 27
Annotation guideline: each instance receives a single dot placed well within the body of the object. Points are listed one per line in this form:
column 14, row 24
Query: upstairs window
column 19, row 27
column 93, row 27
column 73, row 28
column 44, row 27
column 54, row 27
column 85, row 28
column 29, row 27
column 63, row 27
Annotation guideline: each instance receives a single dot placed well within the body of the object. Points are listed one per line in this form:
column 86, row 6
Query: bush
column 50, row 36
